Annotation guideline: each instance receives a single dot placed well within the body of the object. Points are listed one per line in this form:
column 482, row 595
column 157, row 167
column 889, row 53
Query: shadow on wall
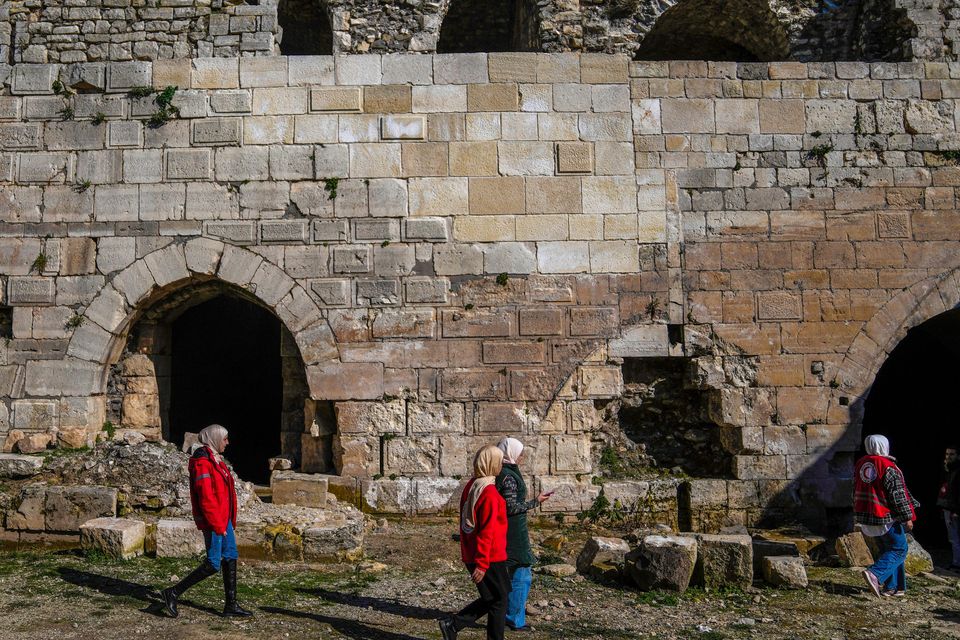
column 911, row 401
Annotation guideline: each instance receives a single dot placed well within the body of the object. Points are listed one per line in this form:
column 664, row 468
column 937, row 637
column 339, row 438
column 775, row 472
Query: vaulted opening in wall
column 911, row 402
column 742, row 31
column 304, row 28
column 490, row 25
column 6, row 322
column 668, row 419
column 209, row 353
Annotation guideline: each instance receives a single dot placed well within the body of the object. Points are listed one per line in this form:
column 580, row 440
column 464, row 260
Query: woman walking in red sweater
column 483, row 548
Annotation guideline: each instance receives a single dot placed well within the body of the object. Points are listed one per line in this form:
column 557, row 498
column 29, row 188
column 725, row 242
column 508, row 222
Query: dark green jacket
column 511, row 486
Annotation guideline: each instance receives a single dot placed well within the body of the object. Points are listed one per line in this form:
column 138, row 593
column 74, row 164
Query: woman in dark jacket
column 520, row 556
column 213, row 497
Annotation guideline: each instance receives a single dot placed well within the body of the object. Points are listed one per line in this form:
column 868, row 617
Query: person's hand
column 478, row 574
column 543, row 497
column 908, row 525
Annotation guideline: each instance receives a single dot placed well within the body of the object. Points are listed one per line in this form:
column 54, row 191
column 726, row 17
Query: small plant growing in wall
column 950, row 156
column 165, row 109
column 39, row 263
column 503, row 279
column 819, row 154
column 140, row 92
column 60, row 89
column 99, row 118
column 66, row 113
column 109, row 428
column 75, row 321
column 330, row 185
column 82, row 186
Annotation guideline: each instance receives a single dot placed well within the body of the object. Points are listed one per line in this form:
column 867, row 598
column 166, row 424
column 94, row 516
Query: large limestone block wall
column 63, row 32
column 505, row 229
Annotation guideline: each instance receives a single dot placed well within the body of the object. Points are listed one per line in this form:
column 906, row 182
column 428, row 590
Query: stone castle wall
column 466, row 246
column 117, row 30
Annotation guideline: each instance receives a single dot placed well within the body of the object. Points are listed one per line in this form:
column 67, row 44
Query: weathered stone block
column 178, row 539
column 119, row 538
column 724, row 560
column 66, row 508
column 785, row 571
column 598, row 549
column 19, row 466
column 853, row 551
column 662, row 562
column 301, row 489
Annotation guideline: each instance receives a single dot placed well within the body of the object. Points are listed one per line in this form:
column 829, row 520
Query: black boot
column 170, row 596
column 230, row 606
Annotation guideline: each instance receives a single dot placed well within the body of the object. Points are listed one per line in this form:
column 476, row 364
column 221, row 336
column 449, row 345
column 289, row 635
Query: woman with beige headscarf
column 483, row 548
column 213, row 497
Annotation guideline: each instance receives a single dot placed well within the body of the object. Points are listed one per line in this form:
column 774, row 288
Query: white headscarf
column 213, row 437
column 486, row 467
column 512, row 448
column 877, row 445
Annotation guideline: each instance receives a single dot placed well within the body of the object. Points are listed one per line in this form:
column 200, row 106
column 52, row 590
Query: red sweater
column 488, row 541
column 212, row 494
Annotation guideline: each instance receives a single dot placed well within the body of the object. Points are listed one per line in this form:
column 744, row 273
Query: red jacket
column 487, row 543
column 212, row 493
column 869, row 494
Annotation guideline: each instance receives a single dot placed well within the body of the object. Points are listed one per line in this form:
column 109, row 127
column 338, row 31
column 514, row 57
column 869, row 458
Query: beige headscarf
column 486, row 467
column 512, row 448
column 213, row 437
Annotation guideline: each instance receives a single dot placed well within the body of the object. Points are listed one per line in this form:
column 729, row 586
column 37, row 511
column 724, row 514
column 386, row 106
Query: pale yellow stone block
column 512, row 67
column 268, row 130
column 215, row 73
column 533, row 228
column 620, row 226
column 280, row 101
column 171, row 73
column 526, row 158
column 613, row 158
column 574, row 157
column 603, row 194
column 483, row 126
column 439, row 196
column 497, row 195
column 473, row 158
column 586, row 226
column 557, row 126
column 393, row 98
column 375, row 160
column 422, row 159
column 651, row 198
column 335, row 99
column 444, row 98
column 518, row 126
column 600, row 68
column 358, row 128
column 493, row 97
column 553, row 194
column 614, row 256
column 652, row 226
column 484, row 228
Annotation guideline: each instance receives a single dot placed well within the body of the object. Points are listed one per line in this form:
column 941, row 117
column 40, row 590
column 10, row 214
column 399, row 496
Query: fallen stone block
column 334, row 541
column 19, row 466
column 34, row 443
column 918, row 560
column 764, row 548
column 853, row 551
column 66, row 508
column 178, row 539
column 301, row 489
column 280, row 464
column 599, row 549
column 557, row 570
column 28, row 513
column 74, row 438
column 114, row 537
column 13, row 437
column 662, row 562
column 785, row 571
column 724, row 560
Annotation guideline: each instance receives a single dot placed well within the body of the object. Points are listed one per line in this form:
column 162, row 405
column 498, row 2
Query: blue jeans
column 888, row 567
column 517, row 602
column 220, row 547
column 953, row 534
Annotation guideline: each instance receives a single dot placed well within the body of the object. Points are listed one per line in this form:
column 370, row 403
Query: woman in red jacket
column 483, row 548
column 214, row 501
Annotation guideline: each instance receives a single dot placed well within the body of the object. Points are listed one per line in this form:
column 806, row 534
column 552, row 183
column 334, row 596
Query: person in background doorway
column 483, row 548
column 949, row 501
column 214, row 500
column 520, row 556
column 885, row 510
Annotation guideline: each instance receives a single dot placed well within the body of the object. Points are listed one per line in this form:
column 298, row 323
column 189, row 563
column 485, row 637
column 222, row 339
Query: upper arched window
column 305, row 28
column 742, row 31
column 490, row 25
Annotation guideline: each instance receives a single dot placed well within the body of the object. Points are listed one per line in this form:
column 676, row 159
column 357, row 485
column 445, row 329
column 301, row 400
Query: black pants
column 494, row 590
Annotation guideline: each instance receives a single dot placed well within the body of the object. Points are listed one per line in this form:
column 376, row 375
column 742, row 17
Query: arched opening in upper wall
column 305, row 28
column 490, row 25
column 724, row 30
column 910, row 402
column 868, row 30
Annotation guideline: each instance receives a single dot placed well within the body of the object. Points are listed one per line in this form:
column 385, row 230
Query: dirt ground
column 411, row 575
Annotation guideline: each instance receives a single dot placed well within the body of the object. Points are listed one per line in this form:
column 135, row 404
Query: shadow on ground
column 124, row 588
column 380, row 604
column 348, row 628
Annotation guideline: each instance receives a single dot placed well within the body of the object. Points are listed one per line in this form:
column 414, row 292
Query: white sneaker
column 872, row 582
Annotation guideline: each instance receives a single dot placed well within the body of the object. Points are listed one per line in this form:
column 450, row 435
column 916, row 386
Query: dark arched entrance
column 226, row 369
column 912, row 402
column 306, row 29
column 489, row 25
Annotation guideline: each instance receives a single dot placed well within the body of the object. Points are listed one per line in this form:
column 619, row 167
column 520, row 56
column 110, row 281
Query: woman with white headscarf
column 885, row 510
column 520, row 556
column 483, row 548
column 213, row 497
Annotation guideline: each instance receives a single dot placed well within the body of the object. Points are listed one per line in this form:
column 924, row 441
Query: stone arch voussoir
column 99, row 338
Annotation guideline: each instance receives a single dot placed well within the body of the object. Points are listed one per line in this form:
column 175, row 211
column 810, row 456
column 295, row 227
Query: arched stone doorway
column 305, row 28
column 741, row 31
column 911, row 402
column 489, row 25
